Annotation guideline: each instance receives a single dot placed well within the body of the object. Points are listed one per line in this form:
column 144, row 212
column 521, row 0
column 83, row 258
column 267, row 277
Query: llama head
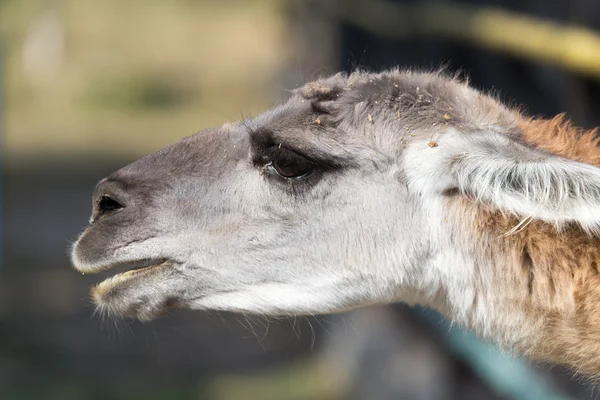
column 332, row 200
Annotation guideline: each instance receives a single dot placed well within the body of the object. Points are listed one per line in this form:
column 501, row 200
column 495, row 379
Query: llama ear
column 507, row 175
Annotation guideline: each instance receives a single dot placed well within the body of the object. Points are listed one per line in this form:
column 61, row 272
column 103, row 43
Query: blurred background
column 89, row 86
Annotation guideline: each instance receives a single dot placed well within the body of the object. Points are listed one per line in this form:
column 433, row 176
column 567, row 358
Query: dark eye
column 288, row 164
column 107, row 204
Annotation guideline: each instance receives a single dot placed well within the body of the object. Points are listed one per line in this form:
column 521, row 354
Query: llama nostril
column 106, row 205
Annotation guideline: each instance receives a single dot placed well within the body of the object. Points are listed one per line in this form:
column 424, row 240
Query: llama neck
column 535, row 290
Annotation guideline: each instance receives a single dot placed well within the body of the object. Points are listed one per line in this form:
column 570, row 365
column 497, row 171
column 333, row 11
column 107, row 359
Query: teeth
column 145, row 263
column 125, row 266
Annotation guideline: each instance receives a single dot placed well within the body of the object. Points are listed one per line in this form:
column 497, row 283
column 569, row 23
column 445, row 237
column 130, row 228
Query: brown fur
column 554, row 279
column 554, row 276
column 559, row 136
column 548, row 276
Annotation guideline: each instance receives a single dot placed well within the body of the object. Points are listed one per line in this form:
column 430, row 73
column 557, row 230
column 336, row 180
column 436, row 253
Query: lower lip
column 107, row 284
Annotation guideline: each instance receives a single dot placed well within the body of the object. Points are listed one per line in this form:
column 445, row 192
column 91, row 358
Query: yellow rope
column 568, row 46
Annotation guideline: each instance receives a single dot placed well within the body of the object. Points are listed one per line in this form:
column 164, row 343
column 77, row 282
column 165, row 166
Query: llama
column 360, row 189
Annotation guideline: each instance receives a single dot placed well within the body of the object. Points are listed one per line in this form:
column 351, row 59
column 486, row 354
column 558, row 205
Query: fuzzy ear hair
column 497, row 170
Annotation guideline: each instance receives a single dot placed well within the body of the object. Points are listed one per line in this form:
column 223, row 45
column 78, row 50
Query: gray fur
column 231, row 235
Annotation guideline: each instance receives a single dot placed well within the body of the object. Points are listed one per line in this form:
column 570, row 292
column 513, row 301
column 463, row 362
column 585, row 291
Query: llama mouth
column 132, row 268
column 127, row 266
column 142, row 292
column 136, row 269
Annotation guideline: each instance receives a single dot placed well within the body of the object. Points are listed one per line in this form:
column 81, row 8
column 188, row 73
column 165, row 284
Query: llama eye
column 288, row 164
